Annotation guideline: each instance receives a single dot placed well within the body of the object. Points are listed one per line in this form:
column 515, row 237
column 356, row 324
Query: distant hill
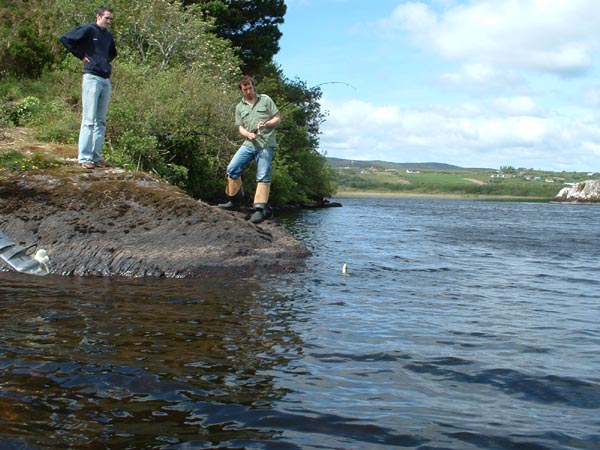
column 339, row 162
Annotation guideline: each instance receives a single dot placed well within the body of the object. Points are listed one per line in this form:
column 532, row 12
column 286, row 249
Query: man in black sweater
column 94, row 45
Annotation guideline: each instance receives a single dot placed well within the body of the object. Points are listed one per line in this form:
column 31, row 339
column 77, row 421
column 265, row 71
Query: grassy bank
column 510, row 184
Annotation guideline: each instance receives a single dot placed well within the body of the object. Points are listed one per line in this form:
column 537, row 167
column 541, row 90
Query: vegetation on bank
column 174, row 90
column 506, row 182
column 15, row 161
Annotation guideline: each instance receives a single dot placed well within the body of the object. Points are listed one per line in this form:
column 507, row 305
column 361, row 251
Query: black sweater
column 94, row 42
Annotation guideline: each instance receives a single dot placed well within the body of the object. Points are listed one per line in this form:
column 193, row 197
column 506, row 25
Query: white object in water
column 42, row 256
column 20, row 259
column 345, row 269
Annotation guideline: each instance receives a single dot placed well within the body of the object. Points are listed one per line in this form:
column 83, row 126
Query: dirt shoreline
column 117, row 223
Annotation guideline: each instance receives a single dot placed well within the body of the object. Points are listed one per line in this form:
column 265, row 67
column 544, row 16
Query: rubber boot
column 262, row 209
column 235, row 193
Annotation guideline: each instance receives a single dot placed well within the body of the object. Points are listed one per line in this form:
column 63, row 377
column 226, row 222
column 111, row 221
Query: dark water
column 460, row 325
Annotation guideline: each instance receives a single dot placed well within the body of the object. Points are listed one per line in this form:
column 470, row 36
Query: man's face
column 248, row 91
column 104, row 20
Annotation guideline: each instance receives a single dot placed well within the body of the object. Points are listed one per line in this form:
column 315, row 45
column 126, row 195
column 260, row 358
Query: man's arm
column 112, row 51
column 246, row 134
column 270, row 123
column 72, row 41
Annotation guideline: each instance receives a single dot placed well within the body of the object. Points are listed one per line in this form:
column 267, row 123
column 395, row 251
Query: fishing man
column 256, row 117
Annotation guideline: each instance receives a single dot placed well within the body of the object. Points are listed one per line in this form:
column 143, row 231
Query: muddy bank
column 110, row 222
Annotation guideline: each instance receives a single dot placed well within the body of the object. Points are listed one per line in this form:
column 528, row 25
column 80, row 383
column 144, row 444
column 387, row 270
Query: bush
column 163, row 121
column 20, row 112
column 57, row 122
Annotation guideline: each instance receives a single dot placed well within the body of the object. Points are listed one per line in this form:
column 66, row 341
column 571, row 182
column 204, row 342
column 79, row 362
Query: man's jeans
column 94, row 97
column 245, row 155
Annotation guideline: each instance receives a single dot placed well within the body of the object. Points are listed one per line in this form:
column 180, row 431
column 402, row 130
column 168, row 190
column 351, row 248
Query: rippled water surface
column 459, row 325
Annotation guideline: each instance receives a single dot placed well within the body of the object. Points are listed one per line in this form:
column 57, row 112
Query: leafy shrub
column 19, row 113
column 164, row 120
column 57, row 122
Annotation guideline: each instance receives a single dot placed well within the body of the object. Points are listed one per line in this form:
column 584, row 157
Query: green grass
column 14, row 161
column 475, row 183
column 444, row 178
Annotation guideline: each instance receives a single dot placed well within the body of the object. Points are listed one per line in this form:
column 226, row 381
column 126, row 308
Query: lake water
column 459, row 325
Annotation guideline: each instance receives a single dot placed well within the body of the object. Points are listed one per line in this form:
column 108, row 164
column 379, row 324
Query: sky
column 471, row 83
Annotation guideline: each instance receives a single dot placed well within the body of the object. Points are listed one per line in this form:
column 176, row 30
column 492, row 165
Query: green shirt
column 249, row 115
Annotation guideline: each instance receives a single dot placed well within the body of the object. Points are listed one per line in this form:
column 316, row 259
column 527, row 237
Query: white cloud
column 481, row 78
column 553, row 36
column 592, row 97
column 515, row 106
column 510, row 133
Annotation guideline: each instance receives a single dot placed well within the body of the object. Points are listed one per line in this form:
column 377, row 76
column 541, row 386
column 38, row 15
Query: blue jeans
column 95, row 96
column 245, row 155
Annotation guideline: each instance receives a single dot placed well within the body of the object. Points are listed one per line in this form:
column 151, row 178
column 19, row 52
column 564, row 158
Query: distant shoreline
column 375, row 194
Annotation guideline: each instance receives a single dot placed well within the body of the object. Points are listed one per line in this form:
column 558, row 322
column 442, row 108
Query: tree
column 250, row 25
column 163, row 34
column 28, row 47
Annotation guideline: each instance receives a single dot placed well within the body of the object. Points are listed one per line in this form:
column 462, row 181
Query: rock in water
column 583, row 192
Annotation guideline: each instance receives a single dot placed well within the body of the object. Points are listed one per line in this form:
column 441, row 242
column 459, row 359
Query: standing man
column 256, row 117
column 94, row 45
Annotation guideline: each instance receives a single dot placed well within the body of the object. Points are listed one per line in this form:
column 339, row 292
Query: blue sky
column 472, row 83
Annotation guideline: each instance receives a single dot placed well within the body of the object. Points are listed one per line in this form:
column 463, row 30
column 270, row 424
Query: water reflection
column 93, row 362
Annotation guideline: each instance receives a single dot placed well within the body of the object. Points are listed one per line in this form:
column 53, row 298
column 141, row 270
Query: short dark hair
column 100, row 11
column 246, row 79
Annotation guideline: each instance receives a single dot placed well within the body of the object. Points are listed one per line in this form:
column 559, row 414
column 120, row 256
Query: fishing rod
column 310, row 90
column 335, row 82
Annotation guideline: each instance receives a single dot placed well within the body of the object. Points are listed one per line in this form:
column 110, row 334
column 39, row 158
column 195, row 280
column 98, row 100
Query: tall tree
column 252, row 26
column 26, row 43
